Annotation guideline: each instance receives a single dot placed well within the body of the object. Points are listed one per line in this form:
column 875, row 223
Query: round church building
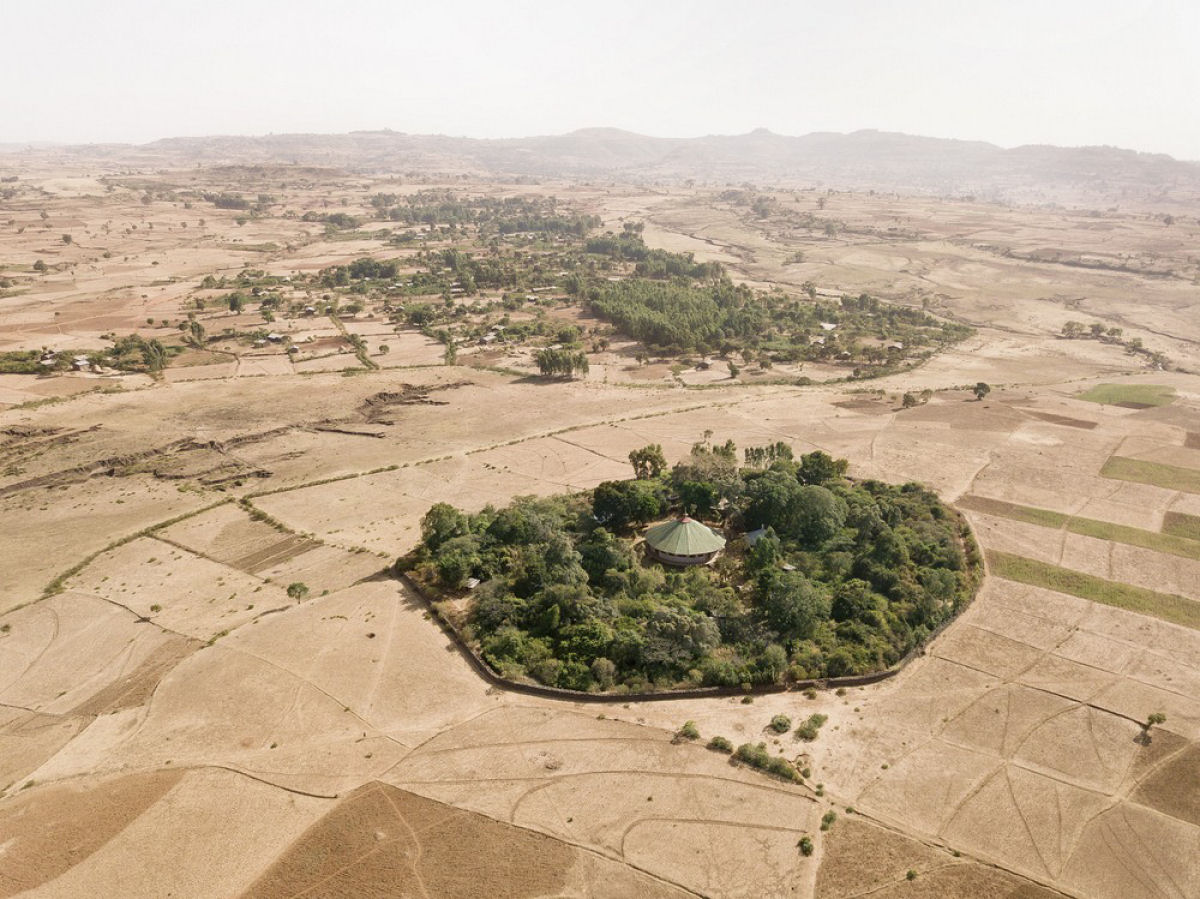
column 683, row 542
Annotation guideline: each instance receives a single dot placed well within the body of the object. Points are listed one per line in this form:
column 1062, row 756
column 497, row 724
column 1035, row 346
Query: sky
column 1066, row 72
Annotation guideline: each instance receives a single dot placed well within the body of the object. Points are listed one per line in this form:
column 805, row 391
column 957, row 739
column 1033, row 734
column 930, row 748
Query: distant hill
column 860, row 160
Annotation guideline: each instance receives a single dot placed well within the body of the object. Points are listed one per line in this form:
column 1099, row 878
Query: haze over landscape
column 651, row 450
column 1069, row 73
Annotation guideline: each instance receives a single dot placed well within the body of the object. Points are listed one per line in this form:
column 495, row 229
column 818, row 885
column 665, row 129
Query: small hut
column 683, row 542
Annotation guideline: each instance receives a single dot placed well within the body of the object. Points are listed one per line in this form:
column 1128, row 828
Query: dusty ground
column 172, row 721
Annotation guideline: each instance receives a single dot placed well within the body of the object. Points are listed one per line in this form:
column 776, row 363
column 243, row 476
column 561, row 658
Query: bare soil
column 381, row 841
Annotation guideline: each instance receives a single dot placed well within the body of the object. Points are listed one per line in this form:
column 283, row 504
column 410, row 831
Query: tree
column 563, row 363
column 67, row 239
column 909, row 401
column 603, row 672
column 195, row 334
column 768, row 501
column 620, row 504
column 1072, row 330
column 456, row 559
column 39, row 265
column 817, row 514
column 297, row 590
column 698, row 498
column 236, row 303
column 766, row 456
column 793, row 605
column 818, row 467
column 648, row 462
column 441, row 523
column 981, row 390
column 154, row 355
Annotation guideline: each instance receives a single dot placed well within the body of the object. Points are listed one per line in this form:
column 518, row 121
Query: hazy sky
column 1068, row 72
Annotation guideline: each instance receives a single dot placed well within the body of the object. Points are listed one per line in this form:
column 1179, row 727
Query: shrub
column 782, row 769
column 827, row 819
column 689, row 731
column 809, row 730
column 806, row 846
column 720, row 744
column 911, row 875
column 754, row 755
column 781, row 724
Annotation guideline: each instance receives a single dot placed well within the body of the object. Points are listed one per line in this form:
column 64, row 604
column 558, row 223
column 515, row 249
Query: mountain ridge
column 863, row 159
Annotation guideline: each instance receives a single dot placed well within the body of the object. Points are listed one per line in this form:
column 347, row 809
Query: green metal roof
column 684, row 537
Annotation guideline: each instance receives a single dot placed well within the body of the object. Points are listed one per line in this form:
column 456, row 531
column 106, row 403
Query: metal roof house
column 683, row 542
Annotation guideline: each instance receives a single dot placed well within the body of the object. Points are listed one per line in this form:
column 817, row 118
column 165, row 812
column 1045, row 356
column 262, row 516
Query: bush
column 757, row 756
column 689, row 731
column 782, row 769
column 806, row 846
column 720, row 744
column 781, row 724
column 754, row 755
column 809, row 730
column 827, row 819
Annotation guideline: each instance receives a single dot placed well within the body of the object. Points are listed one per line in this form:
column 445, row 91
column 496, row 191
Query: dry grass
column 383, row 841
column 61, row 825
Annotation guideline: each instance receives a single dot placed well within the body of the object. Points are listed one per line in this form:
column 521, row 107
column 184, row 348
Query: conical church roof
column 684, row 537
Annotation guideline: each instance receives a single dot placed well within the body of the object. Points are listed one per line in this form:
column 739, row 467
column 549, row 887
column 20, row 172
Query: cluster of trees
column 679, row 316
column 667, row 301
column 134, row 353
column 491, row 215
column 562, row 362
column 628, row 246
column 1074, row 330
column 842, row 578
column 227, row 201
column 335, row 221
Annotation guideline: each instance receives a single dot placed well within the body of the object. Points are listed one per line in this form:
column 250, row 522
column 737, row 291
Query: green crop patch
column 1166, row 606
column 1184, row 543
column 1157, row 474
column 1136, row 396
column 1028, row 514
column 1179, row 524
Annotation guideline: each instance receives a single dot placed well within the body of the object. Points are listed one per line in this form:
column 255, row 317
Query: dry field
column 175, row 721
